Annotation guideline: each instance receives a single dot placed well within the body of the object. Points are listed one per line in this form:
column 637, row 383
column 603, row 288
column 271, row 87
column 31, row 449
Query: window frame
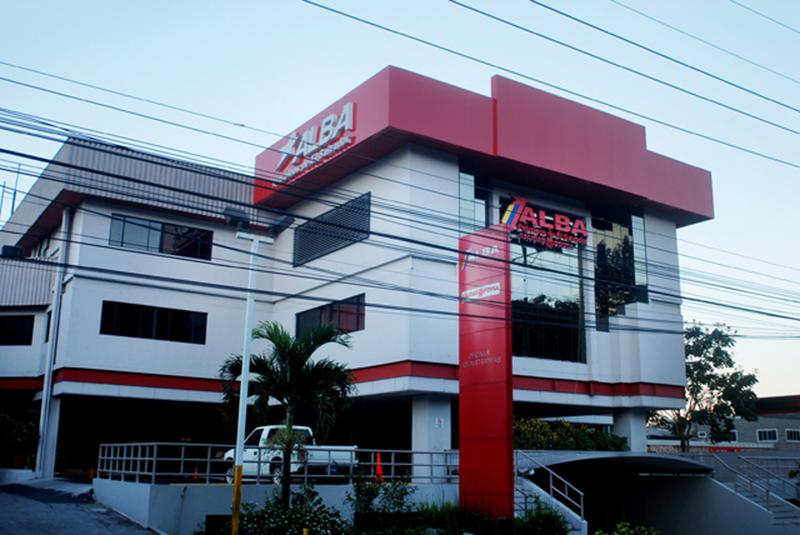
column 153, row 225
column 773, row 429
column 361, row 314
column 32, row 318
column 794, row 430
column 150, row 323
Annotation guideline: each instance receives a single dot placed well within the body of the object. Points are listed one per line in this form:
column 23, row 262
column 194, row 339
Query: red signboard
column 486, row 478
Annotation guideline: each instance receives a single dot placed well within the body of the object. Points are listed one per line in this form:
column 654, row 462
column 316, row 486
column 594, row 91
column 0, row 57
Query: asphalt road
column 34, row 511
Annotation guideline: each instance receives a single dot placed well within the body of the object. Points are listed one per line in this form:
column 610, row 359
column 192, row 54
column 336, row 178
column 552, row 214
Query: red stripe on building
column 407, row 368
column 20, row 383
column 136, row 379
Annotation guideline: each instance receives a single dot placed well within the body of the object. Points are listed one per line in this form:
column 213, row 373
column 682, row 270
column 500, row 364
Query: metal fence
column 176, row 462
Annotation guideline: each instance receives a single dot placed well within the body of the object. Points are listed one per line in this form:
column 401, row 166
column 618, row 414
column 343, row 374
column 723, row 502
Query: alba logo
column 553, row 230
column 318, row 142
column 473, row 254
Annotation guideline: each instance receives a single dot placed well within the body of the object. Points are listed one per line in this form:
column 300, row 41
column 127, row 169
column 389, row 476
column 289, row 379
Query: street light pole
column 241, row 422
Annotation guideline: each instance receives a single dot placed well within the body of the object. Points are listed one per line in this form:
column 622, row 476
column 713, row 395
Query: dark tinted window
column 620, row 266
column 346, row 315
column 332, row 231
column 157, row 323
column 16, row 330
column 167, row 238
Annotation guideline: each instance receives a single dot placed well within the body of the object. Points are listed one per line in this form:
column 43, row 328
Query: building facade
column 381, row 186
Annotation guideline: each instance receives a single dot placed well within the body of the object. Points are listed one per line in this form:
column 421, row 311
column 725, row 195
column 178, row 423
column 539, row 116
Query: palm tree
column 287, row 374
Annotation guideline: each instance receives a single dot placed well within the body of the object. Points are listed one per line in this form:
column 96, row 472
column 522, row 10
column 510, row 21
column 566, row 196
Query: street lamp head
column 236, row 217
column 280, row 224
column 11, row 251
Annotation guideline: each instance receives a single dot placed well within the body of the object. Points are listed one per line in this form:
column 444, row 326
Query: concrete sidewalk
column 59, row 507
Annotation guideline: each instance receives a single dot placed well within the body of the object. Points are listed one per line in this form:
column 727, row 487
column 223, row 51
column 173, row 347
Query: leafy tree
column 716, row 390
column 287, row 373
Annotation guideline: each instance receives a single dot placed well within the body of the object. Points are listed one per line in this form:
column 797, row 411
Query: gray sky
column 274, row 64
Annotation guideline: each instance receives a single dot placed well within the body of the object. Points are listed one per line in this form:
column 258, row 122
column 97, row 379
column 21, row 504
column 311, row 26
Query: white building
column 380, row 185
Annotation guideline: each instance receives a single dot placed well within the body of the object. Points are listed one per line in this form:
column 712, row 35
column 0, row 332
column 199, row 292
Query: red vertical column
column 486, row 479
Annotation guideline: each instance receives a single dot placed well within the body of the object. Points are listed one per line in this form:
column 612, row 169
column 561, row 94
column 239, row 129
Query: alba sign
column 316, row 144
column 553, row 230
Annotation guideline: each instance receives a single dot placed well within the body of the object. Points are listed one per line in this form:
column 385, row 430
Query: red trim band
column 406, row 368
column 20, row 383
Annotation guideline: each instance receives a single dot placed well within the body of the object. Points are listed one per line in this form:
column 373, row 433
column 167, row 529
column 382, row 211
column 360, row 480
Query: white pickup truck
column 263, row 458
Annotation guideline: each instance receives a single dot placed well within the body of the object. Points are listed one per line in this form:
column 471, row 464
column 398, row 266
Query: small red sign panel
column 486, row 478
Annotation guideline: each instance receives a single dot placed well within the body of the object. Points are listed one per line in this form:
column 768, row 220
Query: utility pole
column 16, row 187
column 241, row 422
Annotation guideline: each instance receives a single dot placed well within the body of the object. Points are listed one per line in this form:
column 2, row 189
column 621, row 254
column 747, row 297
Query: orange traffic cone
column 378, row 469
column 196, row 476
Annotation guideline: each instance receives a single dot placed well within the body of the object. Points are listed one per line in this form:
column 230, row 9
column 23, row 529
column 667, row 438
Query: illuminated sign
column 316, row 144
column 548, row 228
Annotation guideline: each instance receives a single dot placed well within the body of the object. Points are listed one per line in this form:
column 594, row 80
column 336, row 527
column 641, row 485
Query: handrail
column 552, row 488
column 768, row 495
column 793, row 488
column 166, row 462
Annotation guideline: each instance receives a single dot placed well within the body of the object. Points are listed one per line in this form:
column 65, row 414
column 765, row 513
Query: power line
column 765, row 16
column 706, row 42
column 427, row 213
column 553, row 86
column 422, row 243
column 651, row 266
column 666, row 57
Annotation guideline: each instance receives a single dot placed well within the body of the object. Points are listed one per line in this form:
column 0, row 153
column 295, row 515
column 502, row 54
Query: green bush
column 623, row 528
column 541, row 520
column 307, row 510
column 535, row 434
column 369, row 496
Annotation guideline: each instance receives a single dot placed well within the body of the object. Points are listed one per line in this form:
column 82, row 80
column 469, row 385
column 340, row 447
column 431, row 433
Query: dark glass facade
column 157, row 237
column 346, row 315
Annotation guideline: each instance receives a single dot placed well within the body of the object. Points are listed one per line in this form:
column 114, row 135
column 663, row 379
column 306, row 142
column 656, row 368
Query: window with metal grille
column 157, row 323
column 767, row 435
column 793, row 435
column 346, row 315
column 333, row 230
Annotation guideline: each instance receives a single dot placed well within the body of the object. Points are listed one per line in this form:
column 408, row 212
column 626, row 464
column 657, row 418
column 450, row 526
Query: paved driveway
column 36, row 511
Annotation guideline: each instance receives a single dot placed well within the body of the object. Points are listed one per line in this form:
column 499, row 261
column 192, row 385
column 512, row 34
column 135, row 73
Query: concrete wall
column 179, row 509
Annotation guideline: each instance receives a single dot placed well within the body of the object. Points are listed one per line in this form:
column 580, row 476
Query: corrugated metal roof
column 24, row 283
column 103, row 170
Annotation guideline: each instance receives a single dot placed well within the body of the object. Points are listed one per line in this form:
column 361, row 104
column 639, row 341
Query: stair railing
column 557, row 487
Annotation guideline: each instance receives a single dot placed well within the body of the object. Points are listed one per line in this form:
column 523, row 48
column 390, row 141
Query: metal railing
column 771, row 501
column 176, row 462
column 757, row 472
column 777, row 465
column 557, row 487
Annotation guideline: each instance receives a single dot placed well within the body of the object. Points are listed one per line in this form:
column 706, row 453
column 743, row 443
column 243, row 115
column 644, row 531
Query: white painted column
column 48, row 461
column 430, row 432
column 630, row 423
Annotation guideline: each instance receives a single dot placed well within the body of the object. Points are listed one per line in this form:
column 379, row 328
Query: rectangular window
column 620, row 265
column 168, row 238
column 546, row 301
column 47, row 328
column 156, row 323
column 16, row 330
column 767, row 435
column 793, row 435
column 472, row 201
column 346, row 315
column 333, row 230
column 734, row 437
